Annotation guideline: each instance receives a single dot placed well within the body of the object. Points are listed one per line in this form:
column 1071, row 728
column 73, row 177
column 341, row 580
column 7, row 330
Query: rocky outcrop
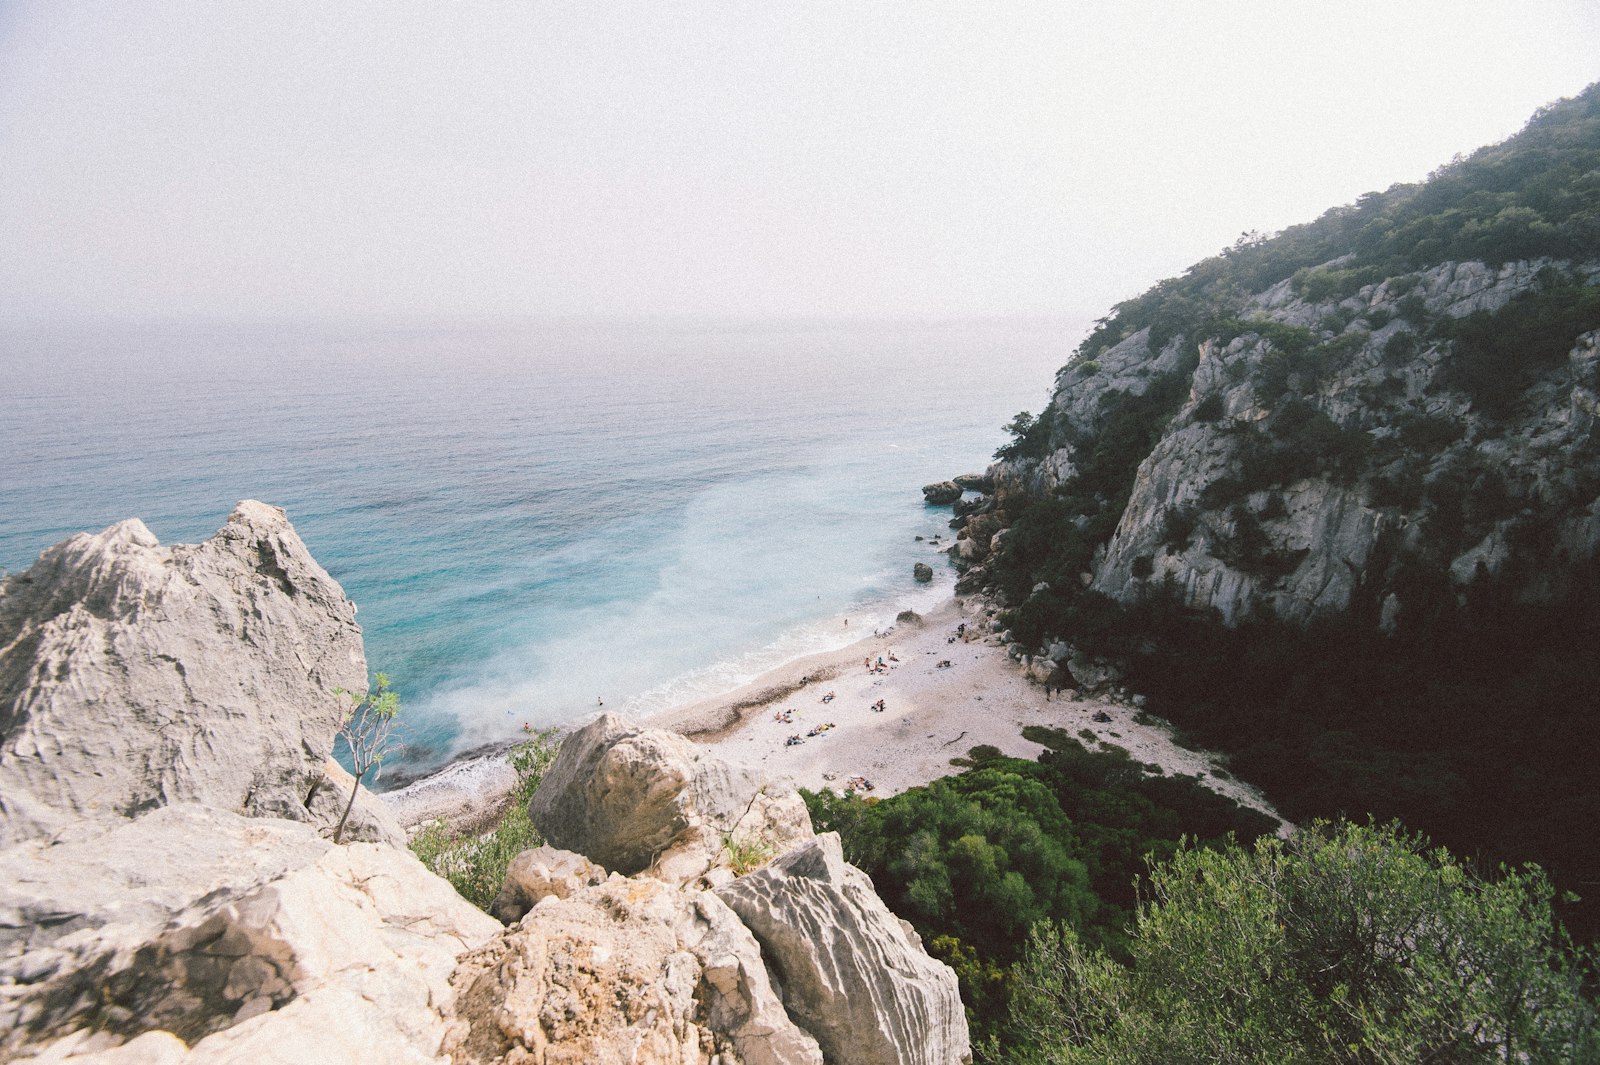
column 922, row 572
column 208, row 937
column 134, row 675
column 852, row 973
column 145, row 919
column 636, row 800
column 1321, row 440
column 627, row 971
column 540, row 873
column 974, row 482
column 941, row 492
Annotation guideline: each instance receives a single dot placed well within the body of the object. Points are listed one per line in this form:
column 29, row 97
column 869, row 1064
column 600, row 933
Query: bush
column 1496, row 356
column 476, row 865
column 973, row 861
column 1030, row 437
column 1348, row 944
column 1209, row 409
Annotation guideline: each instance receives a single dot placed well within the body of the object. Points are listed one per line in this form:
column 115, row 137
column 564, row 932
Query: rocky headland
column 169, row 893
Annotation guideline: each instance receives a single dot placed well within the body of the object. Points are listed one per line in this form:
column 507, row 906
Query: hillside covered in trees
column 1331, row 500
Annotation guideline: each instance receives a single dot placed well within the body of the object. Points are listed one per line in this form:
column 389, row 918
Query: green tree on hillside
column 1349, row 943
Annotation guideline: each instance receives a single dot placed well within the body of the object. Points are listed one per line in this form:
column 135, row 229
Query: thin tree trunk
column 349, row 806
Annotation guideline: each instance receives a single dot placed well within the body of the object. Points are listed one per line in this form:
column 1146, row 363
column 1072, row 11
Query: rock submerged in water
column 922, row 572
column 941, row 492
column 134, row 675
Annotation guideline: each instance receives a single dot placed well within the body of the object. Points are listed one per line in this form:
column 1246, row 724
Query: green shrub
column 1209, row 409
column 1177, row 526
column 1030, row 437
column 476, row 865
column 975, row 860
column 1495, row 356
column 1349, row 943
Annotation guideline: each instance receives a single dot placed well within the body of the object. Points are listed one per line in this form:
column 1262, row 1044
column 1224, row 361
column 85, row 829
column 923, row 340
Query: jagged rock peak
column 852, row 973
column 134, row 675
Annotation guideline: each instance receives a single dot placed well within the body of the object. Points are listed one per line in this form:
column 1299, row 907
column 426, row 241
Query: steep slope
column 1332, row 501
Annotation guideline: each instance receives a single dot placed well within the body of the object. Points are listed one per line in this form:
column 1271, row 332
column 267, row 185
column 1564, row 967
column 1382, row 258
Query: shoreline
column 941, row 695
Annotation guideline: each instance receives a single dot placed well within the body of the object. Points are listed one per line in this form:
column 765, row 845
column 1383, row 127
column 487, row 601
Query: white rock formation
column 630, row 971
column 242, row 939
column 539, row 873
column 853, row 975
column 636, row 800
column 134, row 675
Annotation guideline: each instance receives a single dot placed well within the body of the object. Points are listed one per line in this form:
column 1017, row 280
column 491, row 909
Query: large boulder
column 635, row 800
column 941, row 492
column 627, row 971
column 134, row 675
column 539, row 873
column 853, row 975
column 922, row 572
column 204, row 937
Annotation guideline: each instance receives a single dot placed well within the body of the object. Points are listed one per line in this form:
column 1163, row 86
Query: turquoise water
column 532, row 517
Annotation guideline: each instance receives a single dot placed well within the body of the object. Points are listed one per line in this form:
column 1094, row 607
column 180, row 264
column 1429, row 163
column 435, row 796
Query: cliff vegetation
column 1331, row 500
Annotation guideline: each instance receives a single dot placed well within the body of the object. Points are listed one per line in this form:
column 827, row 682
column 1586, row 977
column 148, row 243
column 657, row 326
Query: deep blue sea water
column 534, row 516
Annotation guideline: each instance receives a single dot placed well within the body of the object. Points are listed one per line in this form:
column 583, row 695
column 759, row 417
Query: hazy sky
column 266, row 158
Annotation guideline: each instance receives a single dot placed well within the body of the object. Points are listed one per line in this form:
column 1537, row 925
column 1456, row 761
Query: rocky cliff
column 1330, row 501
column 1343, row 416
column 1309, row 447
column 169, row 896
column 134, row 675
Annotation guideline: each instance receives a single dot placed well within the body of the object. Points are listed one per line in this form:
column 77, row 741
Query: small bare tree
column 368, row 730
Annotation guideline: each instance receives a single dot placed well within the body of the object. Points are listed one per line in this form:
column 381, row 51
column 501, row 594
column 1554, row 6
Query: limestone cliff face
column 134, row 675
column 1314, row 446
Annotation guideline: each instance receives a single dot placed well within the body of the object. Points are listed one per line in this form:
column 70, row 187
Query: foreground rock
column 636, row 800
column 854, row 975
column 210, row 937
column 539, row 874
column 134, row 675
column 628, row 971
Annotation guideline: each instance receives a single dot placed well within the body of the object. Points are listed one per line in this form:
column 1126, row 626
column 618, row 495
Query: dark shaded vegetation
column 1029, row 437
column 1474, row 722
column 1495, row 356
column 975, row 860
column 1467, row 712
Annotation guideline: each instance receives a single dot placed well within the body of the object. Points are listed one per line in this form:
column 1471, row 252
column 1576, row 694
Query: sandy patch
column 931, row 713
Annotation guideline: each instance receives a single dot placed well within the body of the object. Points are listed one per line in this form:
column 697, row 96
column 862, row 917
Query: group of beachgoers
column 880, row 666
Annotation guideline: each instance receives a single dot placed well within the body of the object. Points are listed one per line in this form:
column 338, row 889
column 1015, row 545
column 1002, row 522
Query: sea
column 535, row 517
